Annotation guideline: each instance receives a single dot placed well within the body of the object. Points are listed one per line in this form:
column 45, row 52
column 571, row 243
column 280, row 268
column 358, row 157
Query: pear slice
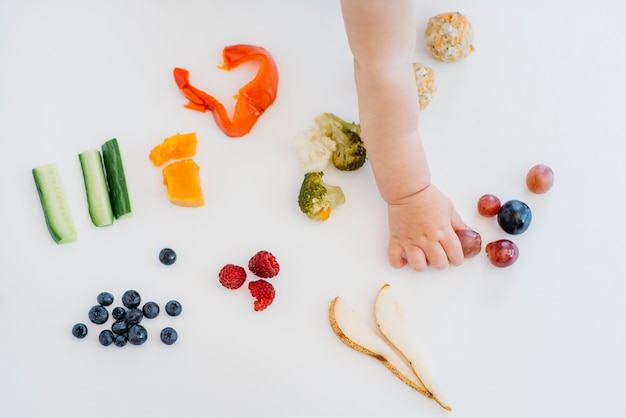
column 356, row 334
column 392, row 324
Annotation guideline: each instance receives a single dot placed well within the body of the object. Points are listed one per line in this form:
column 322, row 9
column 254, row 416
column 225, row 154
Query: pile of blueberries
column 127, row 327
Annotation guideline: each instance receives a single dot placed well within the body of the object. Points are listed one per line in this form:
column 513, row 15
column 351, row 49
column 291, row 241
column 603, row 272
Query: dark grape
column 540, row 179
column 488, row 205
column 167, row 256
column 502, row 253
column 470, row 241
column 514, row 217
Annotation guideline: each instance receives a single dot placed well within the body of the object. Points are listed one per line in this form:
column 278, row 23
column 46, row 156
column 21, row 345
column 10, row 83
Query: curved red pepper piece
column 252, row 99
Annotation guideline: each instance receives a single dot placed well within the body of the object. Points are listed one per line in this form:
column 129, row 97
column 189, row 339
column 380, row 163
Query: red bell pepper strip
column 252, row 99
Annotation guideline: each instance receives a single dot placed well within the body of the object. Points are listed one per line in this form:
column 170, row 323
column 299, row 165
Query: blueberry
column 98, row 314
column 119, row 327
column 137, row 335
column 173, row 308
column 150, row 310
column 105, row 299
column 167, row 256
column 106, row 337
column 120, row 340
column 133, row 316
column 169, row 335
column 79, row 330
column 131, row 298
column 118, row 313
column 514, row 217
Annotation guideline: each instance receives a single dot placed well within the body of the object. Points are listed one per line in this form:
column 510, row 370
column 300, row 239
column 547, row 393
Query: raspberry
column 264, row 293
column 232, row 276
column 264, row 264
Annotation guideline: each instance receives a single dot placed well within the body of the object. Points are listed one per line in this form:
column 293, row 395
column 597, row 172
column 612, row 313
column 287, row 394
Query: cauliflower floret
column 314, row 149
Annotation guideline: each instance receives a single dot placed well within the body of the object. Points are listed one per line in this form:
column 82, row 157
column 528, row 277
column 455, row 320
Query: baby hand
column 422, row 231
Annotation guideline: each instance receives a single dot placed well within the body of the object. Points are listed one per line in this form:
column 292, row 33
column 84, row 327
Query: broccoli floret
column 350, row 154
column 316, row 198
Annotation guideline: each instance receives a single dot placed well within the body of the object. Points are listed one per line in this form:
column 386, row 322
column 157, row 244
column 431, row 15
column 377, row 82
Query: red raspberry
column 264, row 293
column 264, row 264
column 232, row 276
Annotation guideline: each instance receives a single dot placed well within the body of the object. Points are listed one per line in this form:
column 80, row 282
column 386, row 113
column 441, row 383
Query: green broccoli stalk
column 316, row 198
column 350, row 154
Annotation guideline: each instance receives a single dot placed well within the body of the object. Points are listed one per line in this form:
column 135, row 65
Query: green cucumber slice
column 96, row 187
column 54, row 204
column 116, row 179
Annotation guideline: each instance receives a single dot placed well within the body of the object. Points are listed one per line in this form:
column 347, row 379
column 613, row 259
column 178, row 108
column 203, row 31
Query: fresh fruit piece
column 232, row 276
column 119, row 327
column 116, row 179
column 118, row 313
column 182, row 179
column 169, row 335
column 264, row 293
column 131, row 299
column 264, row 264
column 96, row 187
column 98, row 314
column 133, row 316
column 54, row 204
column 540, row 179
column 79, row 330
column 173, row 308
column 514, row 217
column 106, row 337
column 137, row 335
column 502, row 253
column 392, row 324
column 105, row 298
column 471, row 242
column 488, row 205
column 356, row 334
column 167, row 256
column 120, row 340
column 174, row 147
column 150, row 310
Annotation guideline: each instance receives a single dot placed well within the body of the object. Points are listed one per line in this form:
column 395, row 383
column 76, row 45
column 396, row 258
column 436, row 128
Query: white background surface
column 543, row 338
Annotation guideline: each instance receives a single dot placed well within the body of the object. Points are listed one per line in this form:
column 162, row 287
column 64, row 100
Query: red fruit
column 539, row 179
column 502, row 253
column 232, row 276
column 471, row 242
column 264, row 293
column 264, row 264
column 488, row 205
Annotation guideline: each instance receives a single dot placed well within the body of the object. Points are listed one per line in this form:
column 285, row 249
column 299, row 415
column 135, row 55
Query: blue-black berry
column 98, row 314
column 106, row 337
column 169, row 335
column 105, row 299
column 118, row 313
column 137, row 335
column 79, row 330
column 173, row 308
column 133, row 316
column 131, row 298
column 150, row 310
column 120, row 340
column 119, row 327
column 167, row 256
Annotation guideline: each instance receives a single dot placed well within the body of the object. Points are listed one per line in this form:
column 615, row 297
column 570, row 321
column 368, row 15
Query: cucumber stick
column 55, row 208
column 98, row 200
column 116, row 179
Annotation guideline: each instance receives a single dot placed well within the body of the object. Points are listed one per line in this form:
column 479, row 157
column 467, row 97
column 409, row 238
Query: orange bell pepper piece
column 252, row 99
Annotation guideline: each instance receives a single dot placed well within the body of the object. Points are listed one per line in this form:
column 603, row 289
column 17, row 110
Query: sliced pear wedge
column 392, row 324
column 356, row 334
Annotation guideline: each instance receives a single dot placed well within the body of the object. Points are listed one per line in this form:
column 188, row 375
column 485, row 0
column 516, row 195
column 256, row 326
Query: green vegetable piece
column 317, row 199
column 350, row 153
column 116, row 179
column 98, row 199
column 55, row 208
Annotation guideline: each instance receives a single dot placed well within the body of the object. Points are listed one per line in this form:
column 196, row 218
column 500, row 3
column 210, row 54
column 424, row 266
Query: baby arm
column 422, row 221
